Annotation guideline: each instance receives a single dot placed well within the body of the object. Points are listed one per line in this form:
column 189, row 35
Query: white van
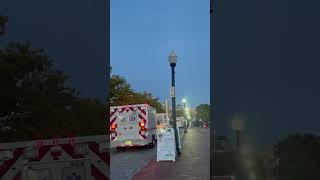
column 132, row 125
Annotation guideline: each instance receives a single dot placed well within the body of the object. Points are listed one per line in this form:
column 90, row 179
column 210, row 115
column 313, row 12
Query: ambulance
column 74, row 158
column 132, row 125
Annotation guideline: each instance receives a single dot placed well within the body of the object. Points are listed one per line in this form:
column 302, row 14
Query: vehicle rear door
column 128, row 126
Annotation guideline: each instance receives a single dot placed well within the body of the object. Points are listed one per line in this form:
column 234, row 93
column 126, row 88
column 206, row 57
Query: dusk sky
column 267, row 54
column 72, row 32
column 268, row 67
column 144, row 32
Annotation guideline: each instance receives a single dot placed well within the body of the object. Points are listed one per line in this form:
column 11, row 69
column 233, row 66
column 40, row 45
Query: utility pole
column 173, row 62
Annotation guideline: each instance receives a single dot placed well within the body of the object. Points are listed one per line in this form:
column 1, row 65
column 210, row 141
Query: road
column 125, row 164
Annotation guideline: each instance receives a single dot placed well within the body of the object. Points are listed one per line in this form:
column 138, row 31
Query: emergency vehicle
column 79, row 158
column 132, row 125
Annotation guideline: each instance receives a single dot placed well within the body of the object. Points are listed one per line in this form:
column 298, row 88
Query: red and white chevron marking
column 113, row 118
column 141, row 115
column 100, row 162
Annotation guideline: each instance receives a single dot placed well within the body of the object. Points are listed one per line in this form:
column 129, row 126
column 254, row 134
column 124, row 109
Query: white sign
column 172, row 92
column 166, row 149
column 179, row 138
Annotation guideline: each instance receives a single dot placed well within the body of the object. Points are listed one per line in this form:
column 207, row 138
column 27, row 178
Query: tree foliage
column 121, row 93
column 203, row 112
column 3, row 22
column 36, row 103
column 299, row 157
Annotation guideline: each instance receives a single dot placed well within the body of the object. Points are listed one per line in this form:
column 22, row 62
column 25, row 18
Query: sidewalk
column 193, row 164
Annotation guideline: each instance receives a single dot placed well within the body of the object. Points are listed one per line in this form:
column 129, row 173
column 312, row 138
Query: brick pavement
column 193, row 164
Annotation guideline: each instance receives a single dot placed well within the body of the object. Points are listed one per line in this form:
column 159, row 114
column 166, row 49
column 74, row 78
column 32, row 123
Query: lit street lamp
column 173, row 62
column 184, row 101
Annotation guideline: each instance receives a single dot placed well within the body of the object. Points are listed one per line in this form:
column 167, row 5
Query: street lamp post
column 173, row 62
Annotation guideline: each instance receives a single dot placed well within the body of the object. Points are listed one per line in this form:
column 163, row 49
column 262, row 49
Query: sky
column 266, row 54
column 267, row 58
column 144, row 32
column 72, row 32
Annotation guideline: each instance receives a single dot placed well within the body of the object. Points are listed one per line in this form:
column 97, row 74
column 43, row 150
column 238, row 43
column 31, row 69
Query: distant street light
column 173, row 62
column 184, row 101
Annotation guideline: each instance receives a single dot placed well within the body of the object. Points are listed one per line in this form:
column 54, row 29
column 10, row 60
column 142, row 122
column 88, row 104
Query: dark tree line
column 35, row 100
column 122, row 93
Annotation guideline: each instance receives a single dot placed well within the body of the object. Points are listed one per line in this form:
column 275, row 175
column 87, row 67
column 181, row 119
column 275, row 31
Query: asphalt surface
column 125, row 164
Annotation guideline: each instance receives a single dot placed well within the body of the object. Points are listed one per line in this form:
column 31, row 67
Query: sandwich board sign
column 166, row 150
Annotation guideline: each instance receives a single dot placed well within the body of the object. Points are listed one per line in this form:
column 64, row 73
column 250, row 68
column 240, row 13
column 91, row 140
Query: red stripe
column 95, row 172
column 141, row 117
column 143, row 111
column 18, row 176
column 114, row 111
column 8, row 163
column 70, row 150
column 104, row 156
column 113, row 120
column 113, row 137
column 55, row 155
column 142, row 135
column 42, row 151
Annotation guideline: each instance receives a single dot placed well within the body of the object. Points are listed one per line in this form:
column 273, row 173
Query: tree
column 121, row 93
column 203, row 112
column 3, row 22
column 299, row 157
column 36, row 103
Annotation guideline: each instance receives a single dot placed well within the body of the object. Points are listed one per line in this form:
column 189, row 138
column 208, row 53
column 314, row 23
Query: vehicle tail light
column 113, row 127
column 142, row 125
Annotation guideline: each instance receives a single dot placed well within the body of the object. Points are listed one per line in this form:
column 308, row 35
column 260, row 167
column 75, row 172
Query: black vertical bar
column 174, row 108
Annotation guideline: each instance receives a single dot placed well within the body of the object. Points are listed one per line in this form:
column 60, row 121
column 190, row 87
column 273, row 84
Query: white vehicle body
column 132, row 125
column 163, row 119
column 180, row 122
column 79, row 158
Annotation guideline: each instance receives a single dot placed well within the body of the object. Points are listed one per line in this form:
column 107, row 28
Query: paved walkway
column 193, row 164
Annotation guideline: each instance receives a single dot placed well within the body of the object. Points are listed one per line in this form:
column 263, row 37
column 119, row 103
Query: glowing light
column 184, row 100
